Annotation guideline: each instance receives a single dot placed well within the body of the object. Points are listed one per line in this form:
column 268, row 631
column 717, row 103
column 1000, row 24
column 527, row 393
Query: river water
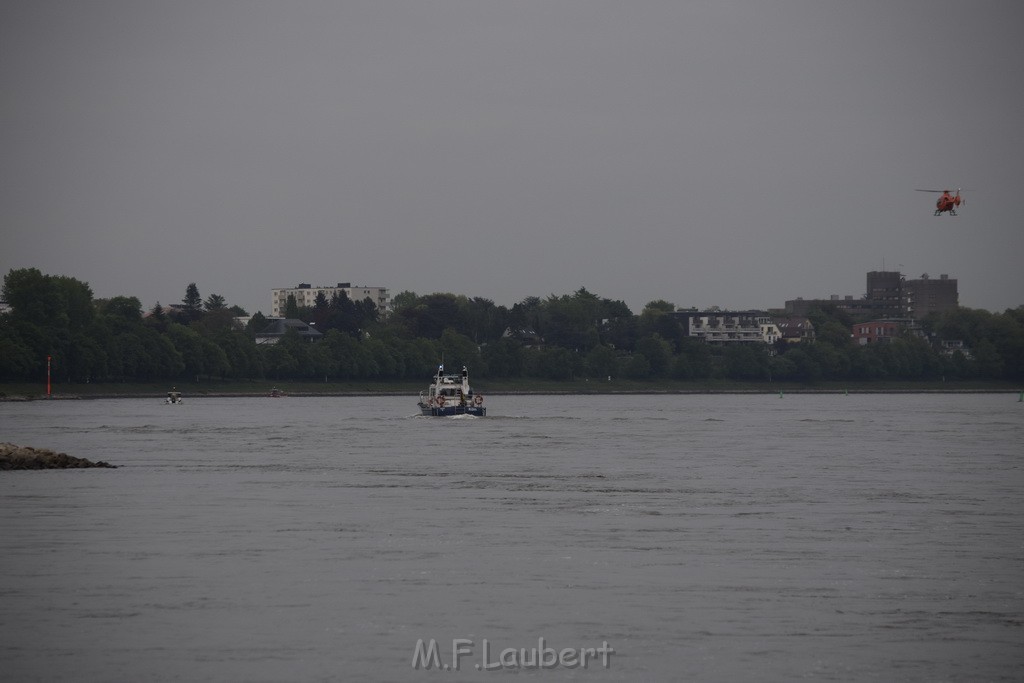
column 698, row 537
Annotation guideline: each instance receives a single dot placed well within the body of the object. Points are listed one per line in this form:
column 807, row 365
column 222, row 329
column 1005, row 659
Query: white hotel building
column 305, row 295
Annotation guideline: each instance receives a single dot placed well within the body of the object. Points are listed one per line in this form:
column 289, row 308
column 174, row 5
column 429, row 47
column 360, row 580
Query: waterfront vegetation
column 575, row 342
column 211, row 388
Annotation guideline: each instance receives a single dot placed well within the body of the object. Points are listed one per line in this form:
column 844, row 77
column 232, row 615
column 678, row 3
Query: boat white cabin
column 450, row 394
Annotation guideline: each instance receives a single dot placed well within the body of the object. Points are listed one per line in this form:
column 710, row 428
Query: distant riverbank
column 22, row 392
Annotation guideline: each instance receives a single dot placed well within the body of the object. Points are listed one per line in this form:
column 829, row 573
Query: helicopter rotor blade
column 931, row 190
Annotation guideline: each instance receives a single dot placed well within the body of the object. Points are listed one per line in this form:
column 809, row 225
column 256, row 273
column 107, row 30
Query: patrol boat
column 450, row 394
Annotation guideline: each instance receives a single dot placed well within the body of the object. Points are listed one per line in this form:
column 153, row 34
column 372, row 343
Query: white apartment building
column 725, row 327
column 305, row 295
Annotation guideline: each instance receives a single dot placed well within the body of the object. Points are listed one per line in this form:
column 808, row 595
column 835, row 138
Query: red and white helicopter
column 947, row 202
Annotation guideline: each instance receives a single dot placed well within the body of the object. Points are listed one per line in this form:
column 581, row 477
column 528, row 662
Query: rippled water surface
column 704, row 538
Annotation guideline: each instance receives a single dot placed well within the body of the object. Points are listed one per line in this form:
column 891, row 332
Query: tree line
column 560, row 337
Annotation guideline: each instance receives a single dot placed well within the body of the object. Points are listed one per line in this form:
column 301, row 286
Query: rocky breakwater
column 13, row 457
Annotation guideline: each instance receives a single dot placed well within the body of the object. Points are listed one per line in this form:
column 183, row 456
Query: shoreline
column 631, row 391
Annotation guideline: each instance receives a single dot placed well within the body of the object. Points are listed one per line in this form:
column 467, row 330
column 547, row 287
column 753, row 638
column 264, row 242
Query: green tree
column 166, row 363
column 504, row 357
column 403, row 300
column 34, row 339
column 214, row 322
column 321, row 361
column 807, row 369
column 279, row 362
column 291, row 307
column 214, row 302
column 298, row 348
column 601, row 361
column 820, row 317
column 526, row 314
column 49, row 317
column 987, row 360
column 76, row 302
column 30, row 294
column 956, row 366
column 58, row 304
column 1006, row 331
column 572, row 321
column 422, row 357
column 189, row 345
column 682, row 368
column 621, row 333
column 342, row 315
column 658, row 354
column 658, row 318
column 834, row 363
column 240, row 351
column 866, row 363
column 343, row 350
column 16, row 362
column 835, row 334
column 321, row 311
column 659, row 306
column 637, row 367
column 781, row 368
column 192, row 302
column 128, row 359
column 125, row 308
column 386, row 356
column 698, row 357
column 257, row 323
column 459, row 350
column 746, row 362
column 480, row 320
column 431, row 316
column 367, row 311
column 556, row 364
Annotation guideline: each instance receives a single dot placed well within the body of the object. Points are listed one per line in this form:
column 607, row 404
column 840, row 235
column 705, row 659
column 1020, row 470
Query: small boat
column 173, row 396
column 275, row 393
column 451, row 395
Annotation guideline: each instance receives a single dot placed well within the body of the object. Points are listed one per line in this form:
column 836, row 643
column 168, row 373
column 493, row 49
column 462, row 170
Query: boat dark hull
column 448, row 411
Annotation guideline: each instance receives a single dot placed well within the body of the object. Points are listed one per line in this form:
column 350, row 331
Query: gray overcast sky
column 731, row 153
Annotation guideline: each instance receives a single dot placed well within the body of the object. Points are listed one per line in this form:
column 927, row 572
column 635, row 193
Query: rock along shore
column 14, row 457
